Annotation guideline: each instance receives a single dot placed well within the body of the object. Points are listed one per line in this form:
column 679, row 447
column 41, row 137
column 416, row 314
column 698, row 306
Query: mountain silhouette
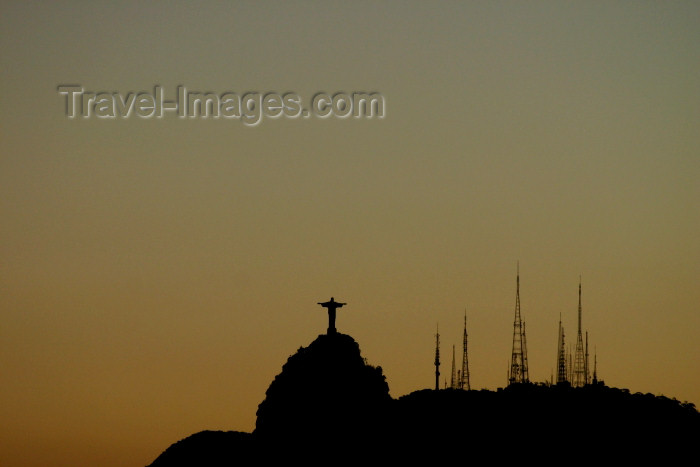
column 326, row 396
column 328, row 405
column 326, row 400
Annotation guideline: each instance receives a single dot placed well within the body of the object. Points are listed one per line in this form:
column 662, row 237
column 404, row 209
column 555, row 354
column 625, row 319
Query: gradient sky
column 156, row 274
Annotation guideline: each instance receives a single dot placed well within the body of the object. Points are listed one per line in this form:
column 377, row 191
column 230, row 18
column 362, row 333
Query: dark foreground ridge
column 208, row 448
column 329, row 406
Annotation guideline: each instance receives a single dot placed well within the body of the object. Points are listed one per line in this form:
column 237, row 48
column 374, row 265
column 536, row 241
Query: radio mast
column 518, row 361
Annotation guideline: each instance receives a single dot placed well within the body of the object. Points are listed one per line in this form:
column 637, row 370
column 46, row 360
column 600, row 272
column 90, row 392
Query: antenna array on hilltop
column 571, row 369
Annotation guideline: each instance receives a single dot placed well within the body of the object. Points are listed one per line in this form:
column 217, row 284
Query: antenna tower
column 579, row 379
column 526, row 377
column 561, row 356
column 453, row 380
column 437, row 359
column 585, row 367
column 464, row 378
column 518, row 361
column 595, row 366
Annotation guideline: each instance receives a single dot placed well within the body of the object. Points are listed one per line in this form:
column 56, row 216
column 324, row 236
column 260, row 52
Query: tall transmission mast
column 579, row 379
column 526, row 376
column 437, row 359
column 464, row 378
column 561, row 356
column 453, row 380
column 585, row 366
column 595, row 366
column 518, row 361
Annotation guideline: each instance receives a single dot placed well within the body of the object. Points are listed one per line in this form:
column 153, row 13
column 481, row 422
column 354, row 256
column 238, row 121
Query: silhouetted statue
column 331, row 305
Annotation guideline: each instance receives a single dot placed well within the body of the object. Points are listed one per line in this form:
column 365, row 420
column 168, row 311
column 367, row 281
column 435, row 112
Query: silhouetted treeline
column 538, row 422
column 329, row 406
column 208, row 448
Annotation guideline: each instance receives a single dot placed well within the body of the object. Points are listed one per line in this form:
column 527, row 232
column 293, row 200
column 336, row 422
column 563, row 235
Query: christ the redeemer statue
column 331, row 305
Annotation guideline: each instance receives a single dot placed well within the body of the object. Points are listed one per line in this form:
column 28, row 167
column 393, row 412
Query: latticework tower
column 453, row 379
column 579, row 377
column 464, row 375
column 518, row 361
column 561, row 356
column 437, row 359
column 595, row 367
column 588, row 374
